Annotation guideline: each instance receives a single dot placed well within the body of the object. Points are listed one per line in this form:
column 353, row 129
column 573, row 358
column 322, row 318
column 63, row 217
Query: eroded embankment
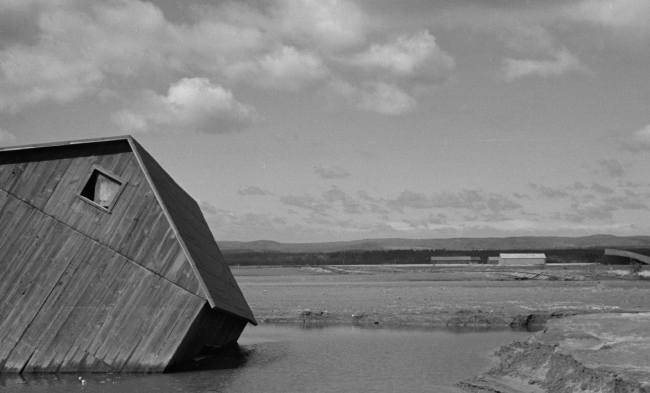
column 458, row 319
column 585, row 353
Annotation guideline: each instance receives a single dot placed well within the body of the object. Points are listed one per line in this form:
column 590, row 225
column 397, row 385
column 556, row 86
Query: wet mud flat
column 438, row 296
column 592, row 320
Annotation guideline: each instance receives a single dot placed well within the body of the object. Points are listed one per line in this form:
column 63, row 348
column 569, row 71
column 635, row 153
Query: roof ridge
column 67, row 143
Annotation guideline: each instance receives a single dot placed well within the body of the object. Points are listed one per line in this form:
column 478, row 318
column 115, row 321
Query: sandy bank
column 586, row 353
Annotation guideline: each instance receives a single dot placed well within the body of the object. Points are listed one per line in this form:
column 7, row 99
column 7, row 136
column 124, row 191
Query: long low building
column 455, row 260
column 522, row 259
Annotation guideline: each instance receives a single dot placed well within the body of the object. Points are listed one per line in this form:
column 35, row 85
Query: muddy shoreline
column 587, row 353
column 548, row 299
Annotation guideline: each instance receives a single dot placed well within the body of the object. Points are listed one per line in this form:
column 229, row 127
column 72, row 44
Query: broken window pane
column 101, row 189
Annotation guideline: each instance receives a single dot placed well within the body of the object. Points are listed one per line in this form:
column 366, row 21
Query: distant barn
column 521, row 259
column 106, row 264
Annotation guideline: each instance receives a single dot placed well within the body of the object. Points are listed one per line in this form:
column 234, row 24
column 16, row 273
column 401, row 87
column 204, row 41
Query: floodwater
column 295, row 359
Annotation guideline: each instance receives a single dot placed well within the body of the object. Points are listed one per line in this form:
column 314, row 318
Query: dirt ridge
column 586, row 353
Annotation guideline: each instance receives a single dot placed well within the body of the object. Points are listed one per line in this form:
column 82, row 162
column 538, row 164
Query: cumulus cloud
column 336, row 196
column 433, row 221
column 611, row 168
column 79, row 47
column 190, row 104
column 305, row 201
column 406, row 56
column 30, row 75
column 548, row 192
column 562, row 62
column 331, row 172
column 640, row 140
column 600, row 189
column 622, row 14
column 330, row 201
column 331, row 24
column 64, row 50
column 628, row 202
column 287, row 68
column 380, row 97
column 581, row 212
column 473, row 200
column 253, row 190
column 386, row 99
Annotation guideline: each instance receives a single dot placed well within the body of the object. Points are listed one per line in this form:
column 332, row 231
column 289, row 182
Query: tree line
column 377, row 257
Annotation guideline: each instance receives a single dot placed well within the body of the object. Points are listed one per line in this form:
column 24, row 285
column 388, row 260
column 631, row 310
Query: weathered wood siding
column 86, row 290
column 223, row 291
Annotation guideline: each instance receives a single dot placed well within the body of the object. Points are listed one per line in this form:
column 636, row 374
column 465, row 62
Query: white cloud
column 330, row 24
column 254, row 190
column 191, row 103
column 331, row 172
column 614, row 13
column 305, row 201
column 288, row 68
column 29, row 75
column 379, row 97
column 611, row 168
column 472, row 200
column 386, row 99
column 67, row 49
column 642, row 136
column 561, row 63
column 406, row 55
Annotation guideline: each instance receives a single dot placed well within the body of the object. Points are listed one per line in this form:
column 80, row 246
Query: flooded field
column 294, row 359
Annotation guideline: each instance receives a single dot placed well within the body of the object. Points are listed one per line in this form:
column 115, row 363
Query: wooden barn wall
column 192, row 227
column 49, row 179
column 72, row 277
column 72, row 304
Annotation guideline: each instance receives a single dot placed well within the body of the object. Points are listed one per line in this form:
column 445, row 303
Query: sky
column 333, row 120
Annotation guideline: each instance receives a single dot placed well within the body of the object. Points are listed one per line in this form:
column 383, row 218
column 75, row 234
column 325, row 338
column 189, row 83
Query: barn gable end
column 105, row 288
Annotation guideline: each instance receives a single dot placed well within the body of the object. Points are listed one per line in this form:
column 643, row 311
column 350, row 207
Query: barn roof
column 189, row 225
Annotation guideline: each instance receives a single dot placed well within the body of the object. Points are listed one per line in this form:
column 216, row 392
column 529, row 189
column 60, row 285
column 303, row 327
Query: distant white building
column 522, row 259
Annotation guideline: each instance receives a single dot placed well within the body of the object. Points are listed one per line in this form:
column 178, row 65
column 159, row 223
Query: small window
column 102, row 188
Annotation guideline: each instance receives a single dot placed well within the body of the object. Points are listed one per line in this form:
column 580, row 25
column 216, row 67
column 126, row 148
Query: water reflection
column 314, row 359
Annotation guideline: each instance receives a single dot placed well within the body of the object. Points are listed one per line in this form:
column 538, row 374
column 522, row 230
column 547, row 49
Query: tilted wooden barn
column 106, row 264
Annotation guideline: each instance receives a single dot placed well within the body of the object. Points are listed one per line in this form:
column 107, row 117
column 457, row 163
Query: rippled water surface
column 293, row 359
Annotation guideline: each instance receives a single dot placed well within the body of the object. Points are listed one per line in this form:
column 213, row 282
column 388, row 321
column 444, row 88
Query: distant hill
column 490, row 243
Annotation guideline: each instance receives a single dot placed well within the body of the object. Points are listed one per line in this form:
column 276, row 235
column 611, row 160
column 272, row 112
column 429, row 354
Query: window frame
column 107, row 174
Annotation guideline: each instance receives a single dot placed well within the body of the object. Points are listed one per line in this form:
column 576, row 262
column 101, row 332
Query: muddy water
column 293, row 359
